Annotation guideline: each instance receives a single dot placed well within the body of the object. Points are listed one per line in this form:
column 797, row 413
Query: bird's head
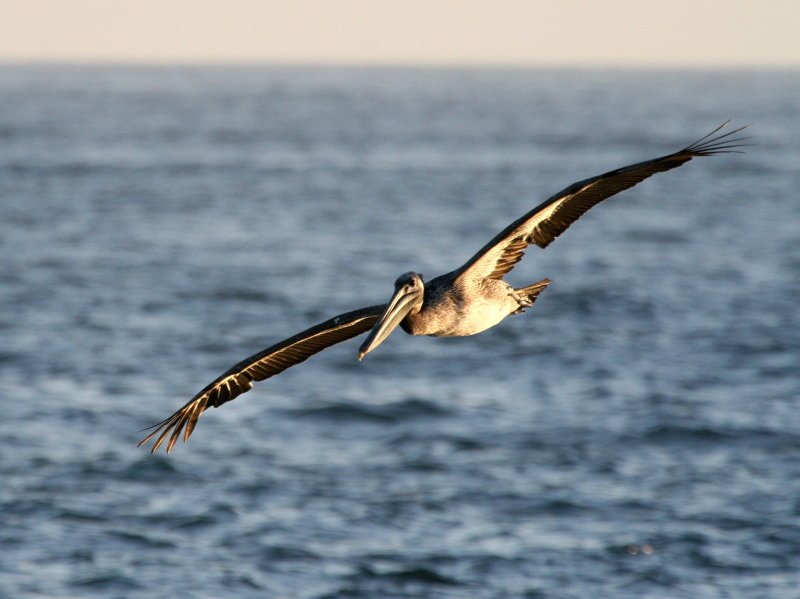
column 409, row 291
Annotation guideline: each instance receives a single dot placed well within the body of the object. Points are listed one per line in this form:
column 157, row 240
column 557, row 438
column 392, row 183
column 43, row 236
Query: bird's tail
column 527, row 295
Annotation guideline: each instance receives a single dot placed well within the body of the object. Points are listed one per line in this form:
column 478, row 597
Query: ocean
column 634, row 434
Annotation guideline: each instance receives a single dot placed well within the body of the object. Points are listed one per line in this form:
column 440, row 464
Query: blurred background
column 182, row 187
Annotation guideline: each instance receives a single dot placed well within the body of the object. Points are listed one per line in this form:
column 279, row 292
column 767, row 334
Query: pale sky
column 463, row 32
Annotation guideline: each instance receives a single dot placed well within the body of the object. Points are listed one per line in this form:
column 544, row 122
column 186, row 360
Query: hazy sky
column 549, row 32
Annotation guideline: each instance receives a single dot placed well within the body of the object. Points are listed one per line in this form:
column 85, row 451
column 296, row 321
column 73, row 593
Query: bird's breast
column 458, row 314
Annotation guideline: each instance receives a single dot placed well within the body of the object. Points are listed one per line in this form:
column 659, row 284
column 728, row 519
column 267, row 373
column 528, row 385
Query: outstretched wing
column 275, row 359
column 551, row 218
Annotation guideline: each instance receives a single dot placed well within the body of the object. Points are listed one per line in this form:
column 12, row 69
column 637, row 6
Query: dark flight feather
column 275, row 359
column 543, row 224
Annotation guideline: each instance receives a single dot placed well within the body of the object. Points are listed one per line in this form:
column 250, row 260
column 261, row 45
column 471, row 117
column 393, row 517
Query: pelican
column 463, row 302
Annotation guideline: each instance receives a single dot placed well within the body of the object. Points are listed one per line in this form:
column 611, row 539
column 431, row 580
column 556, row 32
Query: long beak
column 402, row 302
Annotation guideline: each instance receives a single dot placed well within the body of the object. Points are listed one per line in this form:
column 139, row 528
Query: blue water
column 635, row 434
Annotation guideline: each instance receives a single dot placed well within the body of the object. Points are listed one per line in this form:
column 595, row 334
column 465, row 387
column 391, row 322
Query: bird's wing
column 269, row 362
column 551, row 218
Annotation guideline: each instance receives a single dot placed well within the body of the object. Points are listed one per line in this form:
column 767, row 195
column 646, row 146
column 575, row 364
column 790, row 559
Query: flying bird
column 463, row 302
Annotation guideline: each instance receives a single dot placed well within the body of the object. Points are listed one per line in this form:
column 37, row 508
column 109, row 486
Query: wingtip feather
column 709, row 145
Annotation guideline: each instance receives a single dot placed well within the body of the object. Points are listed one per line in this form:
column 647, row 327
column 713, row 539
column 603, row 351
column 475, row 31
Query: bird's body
column 453, row 308
column 463, row 302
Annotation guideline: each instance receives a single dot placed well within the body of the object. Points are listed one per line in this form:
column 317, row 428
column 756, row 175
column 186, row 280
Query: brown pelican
column 462, row 302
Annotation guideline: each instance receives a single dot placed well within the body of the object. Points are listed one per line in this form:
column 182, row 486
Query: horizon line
column 390, row 64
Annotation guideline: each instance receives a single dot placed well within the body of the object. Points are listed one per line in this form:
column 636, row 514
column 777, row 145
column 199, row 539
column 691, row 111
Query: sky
column 675, row 33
